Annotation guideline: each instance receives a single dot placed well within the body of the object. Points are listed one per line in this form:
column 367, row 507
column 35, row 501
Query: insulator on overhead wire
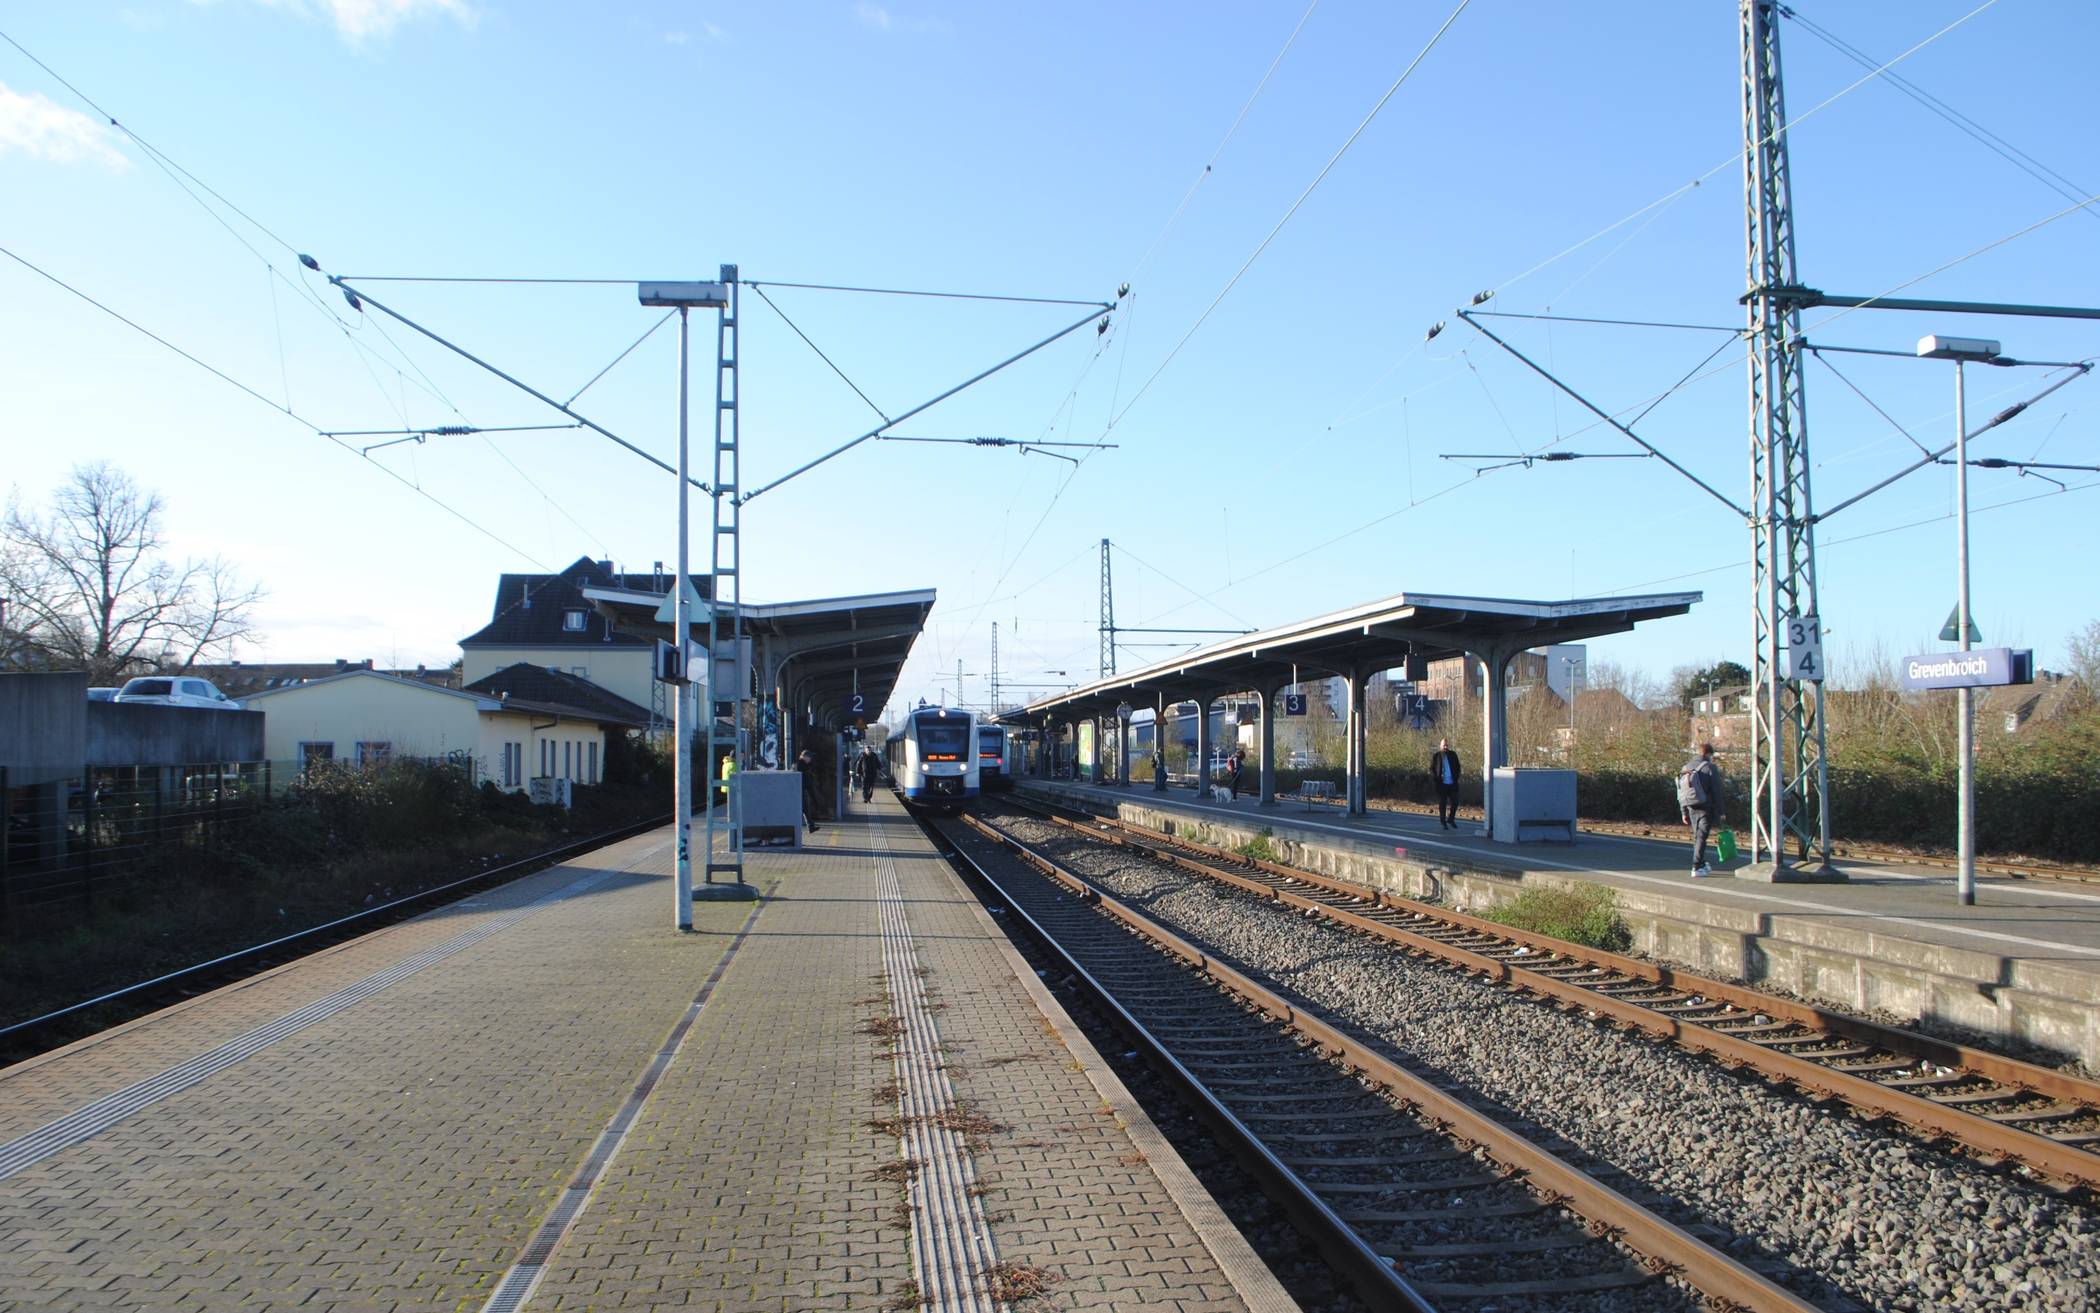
column 310, row 262
column 1479, row 297
column 1434, row 329
column 352, row 298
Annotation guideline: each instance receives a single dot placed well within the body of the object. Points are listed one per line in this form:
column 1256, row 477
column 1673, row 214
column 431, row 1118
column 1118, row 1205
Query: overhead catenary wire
column 1783, row 129
column 2012, row 154
column 833, row 364
column 286, row 411
column 1288, row 214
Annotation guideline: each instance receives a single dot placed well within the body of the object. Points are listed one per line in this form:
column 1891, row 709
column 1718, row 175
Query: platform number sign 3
column 1804, row 649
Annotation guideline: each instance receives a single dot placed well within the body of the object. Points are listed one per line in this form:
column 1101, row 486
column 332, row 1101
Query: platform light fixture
column 685, row 297
column 1963, row 351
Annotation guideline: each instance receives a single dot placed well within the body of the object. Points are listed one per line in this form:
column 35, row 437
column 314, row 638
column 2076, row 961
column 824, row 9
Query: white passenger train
column 992, row 757
column 933, row 757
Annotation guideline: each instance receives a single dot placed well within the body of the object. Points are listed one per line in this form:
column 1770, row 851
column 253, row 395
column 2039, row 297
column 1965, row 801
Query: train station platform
column 850, row 1094
column 2020, row 966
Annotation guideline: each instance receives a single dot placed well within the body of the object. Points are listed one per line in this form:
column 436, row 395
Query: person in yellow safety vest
column 728, row 769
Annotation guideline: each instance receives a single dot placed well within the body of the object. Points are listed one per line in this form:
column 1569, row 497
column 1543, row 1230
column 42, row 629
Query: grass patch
column 1010, row 1282
column 1588, row 915
column 1259, row 849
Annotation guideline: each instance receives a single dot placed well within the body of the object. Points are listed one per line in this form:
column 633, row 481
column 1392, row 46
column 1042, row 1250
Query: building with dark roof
column 544, row 620
column 561, row 692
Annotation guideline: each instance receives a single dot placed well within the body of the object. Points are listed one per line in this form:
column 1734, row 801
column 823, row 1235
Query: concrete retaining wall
column 2049, row 1006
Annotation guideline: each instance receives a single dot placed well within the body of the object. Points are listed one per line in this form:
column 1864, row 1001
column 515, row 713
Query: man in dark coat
column 806, row 762
column 1445, row 773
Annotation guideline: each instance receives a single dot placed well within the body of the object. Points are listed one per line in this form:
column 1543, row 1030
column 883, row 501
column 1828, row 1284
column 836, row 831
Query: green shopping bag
column 1724, row 844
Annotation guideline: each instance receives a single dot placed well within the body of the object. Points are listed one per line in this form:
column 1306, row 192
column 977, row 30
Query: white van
column 176, row 691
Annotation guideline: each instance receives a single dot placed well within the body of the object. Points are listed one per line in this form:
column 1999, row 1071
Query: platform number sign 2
column 857, row 706
column 1804, row 649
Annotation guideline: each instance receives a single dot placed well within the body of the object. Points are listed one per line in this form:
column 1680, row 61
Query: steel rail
column 341, row 927
column 1363, row 1267
column 1665, row 1246
column 2051, row 1158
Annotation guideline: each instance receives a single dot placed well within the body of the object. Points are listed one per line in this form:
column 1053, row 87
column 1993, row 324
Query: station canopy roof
column 823, row 649
column 1374, row 636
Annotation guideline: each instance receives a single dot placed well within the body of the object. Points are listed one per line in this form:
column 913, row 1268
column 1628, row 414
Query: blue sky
column 1281, row 462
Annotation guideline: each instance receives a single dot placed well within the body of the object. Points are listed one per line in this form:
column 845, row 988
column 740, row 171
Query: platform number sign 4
column 1804, row 649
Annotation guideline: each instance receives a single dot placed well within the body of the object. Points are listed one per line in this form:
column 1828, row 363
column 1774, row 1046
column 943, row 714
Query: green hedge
column 2043, row 804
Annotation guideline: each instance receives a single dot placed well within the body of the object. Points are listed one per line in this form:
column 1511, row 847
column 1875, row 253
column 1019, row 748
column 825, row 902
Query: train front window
column 943, row 738
column 988, row 743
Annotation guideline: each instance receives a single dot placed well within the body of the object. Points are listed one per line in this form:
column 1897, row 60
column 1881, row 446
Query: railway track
column 1420, row 1199
column 2003, row 1109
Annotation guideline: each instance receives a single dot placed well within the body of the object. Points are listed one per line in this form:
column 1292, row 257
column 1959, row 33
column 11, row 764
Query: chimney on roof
column 341, row 664
column 368, row 663
column 607, row 566
column 525, row 596
column 657, row 577
column 420, row 671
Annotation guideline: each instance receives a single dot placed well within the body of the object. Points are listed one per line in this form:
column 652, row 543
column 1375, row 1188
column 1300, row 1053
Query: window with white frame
column 573, row 621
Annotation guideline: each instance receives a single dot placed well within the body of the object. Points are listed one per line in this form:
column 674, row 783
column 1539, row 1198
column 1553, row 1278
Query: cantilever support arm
column 1586, row 404
column 978, row 377
column 2082, row 369
column 360, row 299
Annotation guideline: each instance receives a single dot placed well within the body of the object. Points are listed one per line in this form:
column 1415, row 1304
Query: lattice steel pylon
column 1108, row 616
column 1789, row 779
column 725, row 600
column 995, row 667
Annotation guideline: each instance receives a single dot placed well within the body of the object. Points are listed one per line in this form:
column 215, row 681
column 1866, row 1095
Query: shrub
column 1587, row 915
column 1259, row 849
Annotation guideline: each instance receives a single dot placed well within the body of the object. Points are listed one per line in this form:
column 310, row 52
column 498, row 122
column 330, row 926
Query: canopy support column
column 1268, row 744
column 1359, row 740
column 1203, row 748
column 1159, row 741
column 1494, row 725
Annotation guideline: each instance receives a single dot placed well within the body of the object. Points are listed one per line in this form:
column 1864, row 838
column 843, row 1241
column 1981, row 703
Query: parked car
column 102, row 695
column 1300, row 760
column 176, row 691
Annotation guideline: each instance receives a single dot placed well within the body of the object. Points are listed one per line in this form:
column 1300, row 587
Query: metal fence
column 72, row 831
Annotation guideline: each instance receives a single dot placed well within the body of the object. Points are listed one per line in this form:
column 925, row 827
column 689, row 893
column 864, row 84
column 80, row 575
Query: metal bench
column 1315, row 791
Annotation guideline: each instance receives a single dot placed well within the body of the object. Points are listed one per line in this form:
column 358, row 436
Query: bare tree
column 2083, row 649
column 90, row 587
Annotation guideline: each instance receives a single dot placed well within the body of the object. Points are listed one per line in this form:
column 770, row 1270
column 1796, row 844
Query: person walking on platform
column 1444, row 772
column 806, row 762
column 1699, row 798
column 870, row 772
column 1234, row 767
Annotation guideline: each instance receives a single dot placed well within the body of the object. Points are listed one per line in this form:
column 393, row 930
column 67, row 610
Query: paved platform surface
column 545, row 1097
column 2021, row 920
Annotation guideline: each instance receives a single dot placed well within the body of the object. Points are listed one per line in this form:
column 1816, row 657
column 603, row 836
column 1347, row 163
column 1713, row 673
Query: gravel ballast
column 1888, row 1221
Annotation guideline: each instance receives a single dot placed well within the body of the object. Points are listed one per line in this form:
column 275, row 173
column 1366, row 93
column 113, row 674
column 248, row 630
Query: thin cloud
column 362, row 20
column 35, row 125
column 880, row 19
column 677, row 38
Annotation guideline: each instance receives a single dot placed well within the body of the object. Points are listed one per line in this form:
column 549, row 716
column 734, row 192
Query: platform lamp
column 1963, row 350
column 685, row 296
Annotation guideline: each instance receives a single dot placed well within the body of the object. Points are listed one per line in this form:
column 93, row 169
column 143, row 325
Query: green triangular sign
column 667, row 614
column 1950, row 632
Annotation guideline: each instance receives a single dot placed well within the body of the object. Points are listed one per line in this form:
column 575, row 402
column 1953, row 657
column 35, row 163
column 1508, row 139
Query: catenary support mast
column 725, row 602
column 1108, row 616
column 1789, row 785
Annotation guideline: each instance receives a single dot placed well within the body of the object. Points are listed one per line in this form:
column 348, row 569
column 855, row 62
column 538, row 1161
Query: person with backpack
column 870, row 773
column 1699, row 799
column 1234, row 765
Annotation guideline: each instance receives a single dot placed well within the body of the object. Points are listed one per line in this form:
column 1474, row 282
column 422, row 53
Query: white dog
column 1219, row 793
